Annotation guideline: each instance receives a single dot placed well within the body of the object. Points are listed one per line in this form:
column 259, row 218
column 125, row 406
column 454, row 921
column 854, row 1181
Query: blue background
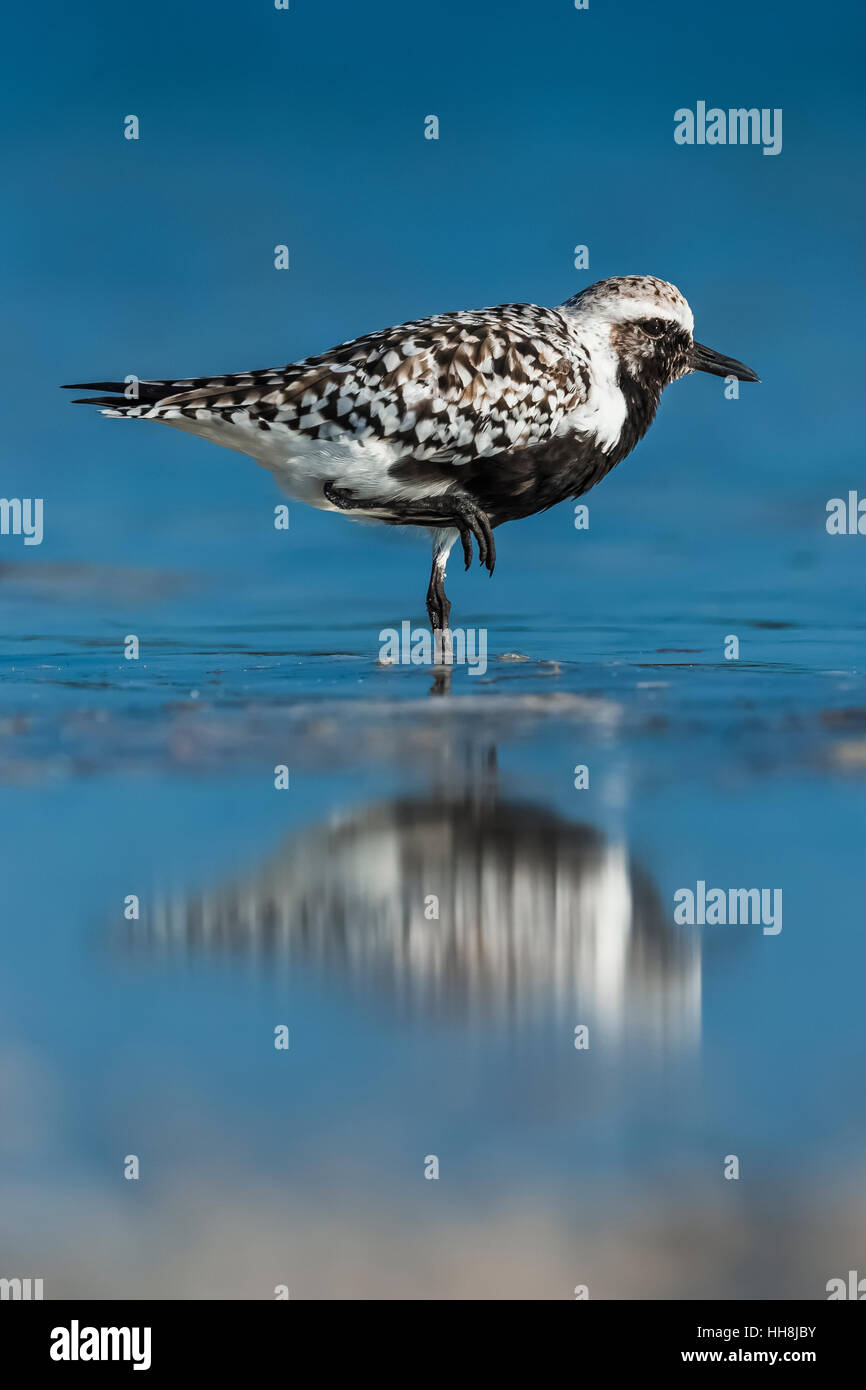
column 305, row 127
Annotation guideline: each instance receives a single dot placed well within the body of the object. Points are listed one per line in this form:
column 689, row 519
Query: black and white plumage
column 458, row 422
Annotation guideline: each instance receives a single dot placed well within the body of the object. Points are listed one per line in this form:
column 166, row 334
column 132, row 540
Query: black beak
column 705, row 359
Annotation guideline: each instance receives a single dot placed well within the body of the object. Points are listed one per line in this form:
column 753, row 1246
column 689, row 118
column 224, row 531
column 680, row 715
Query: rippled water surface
column 410, row 1034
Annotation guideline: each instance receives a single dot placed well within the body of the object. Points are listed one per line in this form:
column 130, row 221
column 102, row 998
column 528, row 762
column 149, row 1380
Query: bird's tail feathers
column 159, row 399
column 131, row 397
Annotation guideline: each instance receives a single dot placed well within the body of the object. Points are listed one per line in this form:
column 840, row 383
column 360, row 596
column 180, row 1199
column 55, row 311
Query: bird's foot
column 341, row 497
column 472, row 521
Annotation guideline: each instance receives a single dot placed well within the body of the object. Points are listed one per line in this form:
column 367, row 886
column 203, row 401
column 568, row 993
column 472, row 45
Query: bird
column 458, row 422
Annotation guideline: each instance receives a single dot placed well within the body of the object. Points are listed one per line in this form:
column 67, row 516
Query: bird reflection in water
column 458, row 906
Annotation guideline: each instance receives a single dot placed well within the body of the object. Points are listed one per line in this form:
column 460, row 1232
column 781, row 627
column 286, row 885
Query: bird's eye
column 654, row 328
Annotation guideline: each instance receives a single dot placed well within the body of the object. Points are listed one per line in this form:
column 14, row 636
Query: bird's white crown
column 626, row 298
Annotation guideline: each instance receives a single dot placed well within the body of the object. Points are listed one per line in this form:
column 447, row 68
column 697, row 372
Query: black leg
column 439, row 613
column 438, row 604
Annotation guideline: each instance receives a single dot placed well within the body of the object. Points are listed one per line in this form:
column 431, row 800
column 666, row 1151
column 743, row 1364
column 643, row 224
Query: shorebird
column 458, row 422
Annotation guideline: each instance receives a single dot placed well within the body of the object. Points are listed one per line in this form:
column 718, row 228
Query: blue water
column 413, row 1036
column 408, row 1036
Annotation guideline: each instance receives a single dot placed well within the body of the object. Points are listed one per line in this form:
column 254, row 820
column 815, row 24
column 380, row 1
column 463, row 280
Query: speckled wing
column 453, row 388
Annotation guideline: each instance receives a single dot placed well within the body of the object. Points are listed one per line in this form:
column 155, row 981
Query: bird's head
column 649, row 327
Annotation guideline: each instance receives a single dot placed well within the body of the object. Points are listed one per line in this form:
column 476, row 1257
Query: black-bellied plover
column 458, row 422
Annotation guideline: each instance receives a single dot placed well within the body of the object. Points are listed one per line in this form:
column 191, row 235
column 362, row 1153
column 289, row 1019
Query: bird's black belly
column 526, row 481
column 514, row 484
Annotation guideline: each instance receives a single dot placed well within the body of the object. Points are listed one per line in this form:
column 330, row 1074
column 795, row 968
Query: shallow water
column 413, row 1036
